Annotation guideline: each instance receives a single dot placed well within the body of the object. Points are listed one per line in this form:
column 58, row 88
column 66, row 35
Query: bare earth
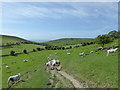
column 71, row 78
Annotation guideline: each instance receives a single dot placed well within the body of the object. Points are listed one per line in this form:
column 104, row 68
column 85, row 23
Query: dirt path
column 69, row 78
column 75, row 82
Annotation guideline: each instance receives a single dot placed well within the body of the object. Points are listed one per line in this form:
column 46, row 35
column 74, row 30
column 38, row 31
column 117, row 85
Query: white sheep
column 56, row 53
column 7, row 66
column 91, row 52
column 82, row 54
column 13, row 78
column 68, row 53
column 25, row 60
column 111, row 51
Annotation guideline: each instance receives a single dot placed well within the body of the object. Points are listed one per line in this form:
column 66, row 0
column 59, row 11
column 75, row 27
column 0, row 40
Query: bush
column 34, row 50
column 12, row 53
column 25, row 51
column 38, row 49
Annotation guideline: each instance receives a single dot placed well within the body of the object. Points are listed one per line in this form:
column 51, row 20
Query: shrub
column 38, row 49
column 12, row 53
column 34, row 50
column 25, row 51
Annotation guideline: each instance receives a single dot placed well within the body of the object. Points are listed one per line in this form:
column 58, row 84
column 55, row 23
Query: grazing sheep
column 82, row 54
column 100, row 48
column 25, row 60
column 13, row 78
column 68, row 53
column 91, row 52
column 111, row 51
column 48, row 63
column 52, row 63
column 7, row 66
column 56, row 53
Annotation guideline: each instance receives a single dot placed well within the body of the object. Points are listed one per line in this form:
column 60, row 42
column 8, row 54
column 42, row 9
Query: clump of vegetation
column 38, row 49
column 106, row 38
column 25, row 51
column 34, row 50
column 12, row 53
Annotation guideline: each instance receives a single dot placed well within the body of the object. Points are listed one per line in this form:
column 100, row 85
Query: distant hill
column 58, row 42
column 10, row 39
column 69, row 41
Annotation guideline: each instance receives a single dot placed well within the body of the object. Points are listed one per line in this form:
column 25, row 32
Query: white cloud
column 84, row 10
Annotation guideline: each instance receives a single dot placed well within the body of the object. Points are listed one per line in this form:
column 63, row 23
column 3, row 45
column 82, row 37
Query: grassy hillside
column 10, row 39
column 92, row 70
column 20, row 48
column 69, row 41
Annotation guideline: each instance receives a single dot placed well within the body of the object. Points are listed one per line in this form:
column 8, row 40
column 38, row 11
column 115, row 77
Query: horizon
column 44, row 40
column 55, row 20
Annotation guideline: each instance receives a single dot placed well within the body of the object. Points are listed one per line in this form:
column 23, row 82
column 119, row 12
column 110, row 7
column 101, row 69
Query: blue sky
column 53, row 20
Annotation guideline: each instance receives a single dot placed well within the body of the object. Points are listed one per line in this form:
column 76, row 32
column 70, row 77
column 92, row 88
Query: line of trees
column 13, row 53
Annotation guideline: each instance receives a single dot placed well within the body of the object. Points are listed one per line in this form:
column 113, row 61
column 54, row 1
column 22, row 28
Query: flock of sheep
column 52, row 64
column 55, row 64
column 111, row 50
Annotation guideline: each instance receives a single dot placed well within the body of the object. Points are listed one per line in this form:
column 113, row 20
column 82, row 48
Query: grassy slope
column 97, row 70
column 72, row 41
column 36, row 79
column 20, row 48
column 10, row 39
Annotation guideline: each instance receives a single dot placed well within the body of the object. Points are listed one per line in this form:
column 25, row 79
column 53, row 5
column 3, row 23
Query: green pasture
column 33, row 71
column 93, row 70
column 10, row 39
column 96, row 70
column 20, row 48
column 63, row 42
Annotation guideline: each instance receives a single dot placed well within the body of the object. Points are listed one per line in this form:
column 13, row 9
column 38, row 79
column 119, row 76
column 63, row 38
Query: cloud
column 21, row 12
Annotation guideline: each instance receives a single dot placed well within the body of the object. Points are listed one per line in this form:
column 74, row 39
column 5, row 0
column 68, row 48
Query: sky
column 54, row 20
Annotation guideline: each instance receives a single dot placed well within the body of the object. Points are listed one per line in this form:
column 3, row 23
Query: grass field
column 36, row 62
column 91, row 69
column 10, row 39
column 96, row 70
column 20, row 48
column 69, row 41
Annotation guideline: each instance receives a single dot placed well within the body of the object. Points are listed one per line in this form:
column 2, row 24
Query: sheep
column 52, row 63
column 56, row 53
column 82, row 54
column 25, row 60
column 68, row 53
column 111, row 51
column 48, row 63
column 13, row 78
column 7, row 66
column 100, row 48
column 91, row 52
